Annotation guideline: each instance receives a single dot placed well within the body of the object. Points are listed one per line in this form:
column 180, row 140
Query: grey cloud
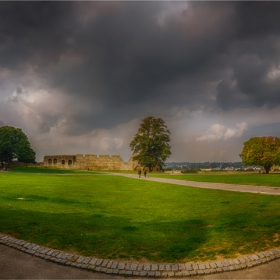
column 255, row 53
column 30, row 32
column 121, row 60
column 19, row 90
column 44, row 127
column 252, row 83
column 131, row 62
column 47, row 121
column 257, row 19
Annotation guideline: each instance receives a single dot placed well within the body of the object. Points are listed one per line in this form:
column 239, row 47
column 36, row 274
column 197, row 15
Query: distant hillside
column 203, row 165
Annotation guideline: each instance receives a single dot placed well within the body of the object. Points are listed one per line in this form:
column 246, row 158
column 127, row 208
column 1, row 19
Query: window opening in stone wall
column 69, row 162
column 55, row 160
column 50, row 160
column 63, row 161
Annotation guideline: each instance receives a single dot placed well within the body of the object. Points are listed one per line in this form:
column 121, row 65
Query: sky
column 78, row 77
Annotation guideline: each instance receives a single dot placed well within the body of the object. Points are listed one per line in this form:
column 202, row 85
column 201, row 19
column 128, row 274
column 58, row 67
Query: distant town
column 210, row 166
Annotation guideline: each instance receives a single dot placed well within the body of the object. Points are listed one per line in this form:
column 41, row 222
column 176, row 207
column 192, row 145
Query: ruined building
column 92, row 162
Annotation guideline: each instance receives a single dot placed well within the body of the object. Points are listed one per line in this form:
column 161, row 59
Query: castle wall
column 89, row 161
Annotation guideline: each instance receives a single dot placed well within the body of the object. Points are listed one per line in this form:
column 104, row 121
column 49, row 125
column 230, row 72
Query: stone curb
column 160, row 270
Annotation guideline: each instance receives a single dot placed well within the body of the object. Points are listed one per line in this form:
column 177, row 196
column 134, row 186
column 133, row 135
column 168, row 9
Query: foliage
column 14, row 144
column 262, row 151
column 151, row 143
column 190, row 170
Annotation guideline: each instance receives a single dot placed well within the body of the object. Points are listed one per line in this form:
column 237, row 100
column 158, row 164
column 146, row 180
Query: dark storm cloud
column 256, row 58
column 131, row 59
column 257, row 19
column 122, row 60
column 31, row 31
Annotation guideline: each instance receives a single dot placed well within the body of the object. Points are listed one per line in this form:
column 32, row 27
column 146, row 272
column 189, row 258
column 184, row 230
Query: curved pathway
column 15, row 264
column 132, row 269
column 205, row 185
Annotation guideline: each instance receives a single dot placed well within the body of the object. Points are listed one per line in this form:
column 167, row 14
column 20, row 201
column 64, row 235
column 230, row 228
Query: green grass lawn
column 254, row 179
column 32, row 169
column 115, row 217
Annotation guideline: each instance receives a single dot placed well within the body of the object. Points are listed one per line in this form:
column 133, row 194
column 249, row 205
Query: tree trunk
column 267, row 168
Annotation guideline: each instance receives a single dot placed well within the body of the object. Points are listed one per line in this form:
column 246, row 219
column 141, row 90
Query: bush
column 190, row 170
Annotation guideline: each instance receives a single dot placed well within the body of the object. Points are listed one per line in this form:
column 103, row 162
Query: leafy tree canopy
column 14, row 144
column 151, row 143
column 263, row 151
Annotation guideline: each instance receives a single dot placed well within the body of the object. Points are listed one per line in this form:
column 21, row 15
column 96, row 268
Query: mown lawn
column 32, row 169
column 115, row 217
column 254, row 179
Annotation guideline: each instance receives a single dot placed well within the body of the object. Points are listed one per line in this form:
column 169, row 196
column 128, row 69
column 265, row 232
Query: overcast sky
column 78, row 77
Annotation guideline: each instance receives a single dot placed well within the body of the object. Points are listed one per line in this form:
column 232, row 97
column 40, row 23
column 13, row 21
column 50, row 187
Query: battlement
column 104, row 156
column 89, row 162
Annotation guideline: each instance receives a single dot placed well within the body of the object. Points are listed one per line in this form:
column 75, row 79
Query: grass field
column 32, row 169
column 244, row 178
column 239, row 178
column 115, row 217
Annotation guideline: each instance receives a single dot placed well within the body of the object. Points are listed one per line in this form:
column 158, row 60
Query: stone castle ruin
column 89, row 162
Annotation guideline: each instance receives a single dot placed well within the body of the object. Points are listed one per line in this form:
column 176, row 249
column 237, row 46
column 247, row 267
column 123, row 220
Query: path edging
column 161, row 270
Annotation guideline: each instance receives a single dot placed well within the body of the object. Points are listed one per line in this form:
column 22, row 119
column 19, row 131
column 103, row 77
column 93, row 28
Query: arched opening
column 49, row 161
column 63, row 161
column 55, row 160
column 69, row 162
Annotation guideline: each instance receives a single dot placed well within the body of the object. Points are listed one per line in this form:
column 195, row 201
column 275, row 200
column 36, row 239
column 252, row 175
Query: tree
column 151, row 143
column 263, row 151
column 14, row 144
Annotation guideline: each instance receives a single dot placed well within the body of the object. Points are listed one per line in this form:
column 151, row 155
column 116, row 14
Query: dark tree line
column 14, row 144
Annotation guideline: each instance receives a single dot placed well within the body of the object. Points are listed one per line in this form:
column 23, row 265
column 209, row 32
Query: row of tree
column 150, row 146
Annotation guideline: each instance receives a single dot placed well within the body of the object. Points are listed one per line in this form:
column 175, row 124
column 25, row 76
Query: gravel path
column 204, row 185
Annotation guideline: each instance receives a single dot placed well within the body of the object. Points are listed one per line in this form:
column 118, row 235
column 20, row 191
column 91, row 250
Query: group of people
column 145, row 173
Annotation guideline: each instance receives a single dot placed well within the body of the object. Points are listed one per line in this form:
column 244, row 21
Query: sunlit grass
column 254, row 179
column 114, row 217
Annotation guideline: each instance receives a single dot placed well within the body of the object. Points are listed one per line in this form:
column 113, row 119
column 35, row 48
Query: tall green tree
column 14, row 144
column 151, row 143
column 263, row 151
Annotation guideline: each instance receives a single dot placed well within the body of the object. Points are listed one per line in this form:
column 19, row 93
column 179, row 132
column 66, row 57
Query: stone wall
column 89, row 161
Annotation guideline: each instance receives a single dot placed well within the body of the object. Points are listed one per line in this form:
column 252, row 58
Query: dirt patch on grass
column 276, row 237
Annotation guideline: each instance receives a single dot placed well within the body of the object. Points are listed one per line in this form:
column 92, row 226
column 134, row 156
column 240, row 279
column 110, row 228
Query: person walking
column 139, row 173
column 145, row 173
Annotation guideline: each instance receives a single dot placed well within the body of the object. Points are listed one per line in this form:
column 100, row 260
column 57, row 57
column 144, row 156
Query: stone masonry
column 126, row 268
column 89, row 161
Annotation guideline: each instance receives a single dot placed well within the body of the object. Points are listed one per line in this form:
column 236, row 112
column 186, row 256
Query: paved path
column 15, row 264
column 205, row 185
column 139, row 269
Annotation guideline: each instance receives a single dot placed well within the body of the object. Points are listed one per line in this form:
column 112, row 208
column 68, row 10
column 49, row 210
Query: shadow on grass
column 107, row 236
column 193, row 235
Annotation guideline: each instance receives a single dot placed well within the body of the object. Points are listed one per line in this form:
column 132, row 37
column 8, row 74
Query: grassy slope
column 115, row 217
